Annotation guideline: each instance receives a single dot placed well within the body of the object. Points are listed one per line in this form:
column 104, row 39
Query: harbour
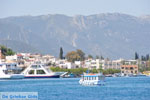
column 74, row 50
column 116, row 88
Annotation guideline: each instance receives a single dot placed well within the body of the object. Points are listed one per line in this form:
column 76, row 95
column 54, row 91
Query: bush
column 76, row 71
column 79, row 71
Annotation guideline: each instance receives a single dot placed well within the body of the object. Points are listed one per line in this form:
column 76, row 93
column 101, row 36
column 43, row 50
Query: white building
column 78, row 64
column 111, row 64
column 13, row 57
column 92, row 63
column 63, row 63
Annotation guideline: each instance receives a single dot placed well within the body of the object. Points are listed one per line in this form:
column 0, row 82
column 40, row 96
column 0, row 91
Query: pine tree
column 136, row 56
column 61, row 53
column 147, row 57
column 97, row 57
column 102, row 58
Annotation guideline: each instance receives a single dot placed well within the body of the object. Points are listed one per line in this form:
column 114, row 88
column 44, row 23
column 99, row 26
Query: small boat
column 92, row 79
column 40, row 71
column 5, row 74
column 140, row 75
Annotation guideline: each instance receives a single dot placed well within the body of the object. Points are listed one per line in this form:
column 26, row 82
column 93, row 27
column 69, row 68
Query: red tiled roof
column 19, row 54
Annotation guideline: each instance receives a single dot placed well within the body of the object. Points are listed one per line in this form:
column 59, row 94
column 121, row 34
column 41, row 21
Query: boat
column 92, row 79
column 140, row 75
column 40, row 71
column 147, row 73
column 6, row 73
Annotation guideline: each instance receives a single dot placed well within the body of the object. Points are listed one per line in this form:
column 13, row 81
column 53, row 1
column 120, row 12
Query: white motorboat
column 92, row 79
column 40, row 71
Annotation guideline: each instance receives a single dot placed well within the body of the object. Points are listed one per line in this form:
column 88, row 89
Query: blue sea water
column 119, row 88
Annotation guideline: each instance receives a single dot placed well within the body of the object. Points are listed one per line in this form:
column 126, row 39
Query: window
column 126, row 67
column 31, row 72
column 40, row 72
column 36, row 66
column 131, row 68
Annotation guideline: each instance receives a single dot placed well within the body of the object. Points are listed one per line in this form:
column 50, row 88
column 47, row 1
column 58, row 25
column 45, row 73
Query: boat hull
column 17, row 76
column 13, row 76
column 5, row 77
column 91, row 82
column 46, row 76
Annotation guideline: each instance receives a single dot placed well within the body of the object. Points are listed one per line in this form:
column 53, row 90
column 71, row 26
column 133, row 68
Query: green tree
column 77, row 55
column 6, row 51
column 102, row 58
column 76, row 71
column 97, row 57
column 81, row 54
column 136, row 56
column 61, row 53
column 73, row 56
column 143, row 58
column 147, row 57
column 90, row 56
column 94, row 71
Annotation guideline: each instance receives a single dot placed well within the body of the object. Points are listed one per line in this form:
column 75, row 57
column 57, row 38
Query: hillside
column 112, row 35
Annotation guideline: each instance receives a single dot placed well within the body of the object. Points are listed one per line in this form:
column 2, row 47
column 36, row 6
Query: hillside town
column 23, row 60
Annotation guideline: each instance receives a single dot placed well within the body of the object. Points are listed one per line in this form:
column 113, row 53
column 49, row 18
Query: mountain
column 112, row 35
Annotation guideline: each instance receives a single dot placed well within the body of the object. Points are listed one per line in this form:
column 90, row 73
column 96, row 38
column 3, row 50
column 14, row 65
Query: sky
column 73, row 7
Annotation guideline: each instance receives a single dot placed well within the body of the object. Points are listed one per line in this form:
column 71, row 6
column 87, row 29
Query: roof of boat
column 93, row 75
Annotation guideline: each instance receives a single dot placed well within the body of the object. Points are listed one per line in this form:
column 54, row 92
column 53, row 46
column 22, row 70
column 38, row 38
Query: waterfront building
column 104, row 64
column 92, row 63
column 12, row 57
column 111, row 64
column 129, row 69
column 78, row 64
column 63, row 63
column 130, row 62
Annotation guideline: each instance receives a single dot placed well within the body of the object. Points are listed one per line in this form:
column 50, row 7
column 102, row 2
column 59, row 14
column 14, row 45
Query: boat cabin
column 36, row 69
column 93, row 77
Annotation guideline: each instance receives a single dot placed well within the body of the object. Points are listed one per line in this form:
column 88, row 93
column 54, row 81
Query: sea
column 116, row 88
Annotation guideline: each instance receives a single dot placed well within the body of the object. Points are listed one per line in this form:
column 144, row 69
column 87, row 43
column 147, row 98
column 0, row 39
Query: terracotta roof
column 19, row 54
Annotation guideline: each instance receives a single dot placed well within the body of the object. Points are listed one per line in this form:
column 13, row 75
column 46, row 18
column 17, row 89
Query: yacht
column 6, row 72
column 40, row 71
column 92, row 79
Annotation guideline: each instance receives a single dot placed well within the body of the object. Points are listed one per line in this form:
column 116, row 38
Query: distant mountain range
column 112, row 35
